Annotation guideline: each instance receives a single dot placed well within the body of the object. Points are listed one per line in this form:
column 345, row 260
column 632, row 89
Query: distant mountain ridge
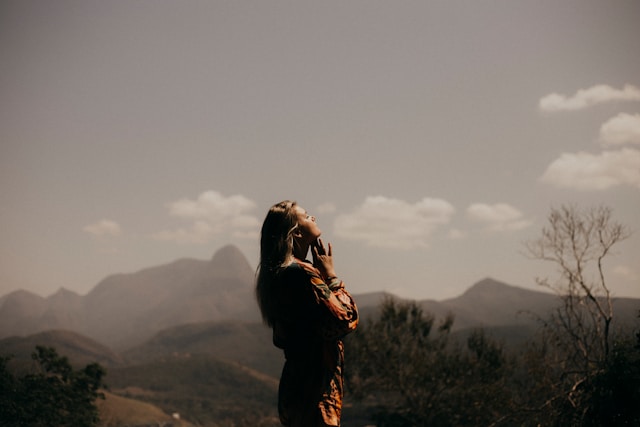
column 125, row 309
column 187, row 337
column 490, row 303
column 249, row 344
column 79, row 349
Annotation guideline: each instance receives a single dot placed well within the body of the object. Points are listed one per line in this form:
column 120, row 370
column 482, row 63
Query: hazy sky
column 430, row 138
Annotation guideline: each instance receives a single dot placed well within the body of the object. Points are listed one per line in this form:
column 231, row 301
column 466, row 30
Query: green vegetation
column 579, row 365
column 577, row 242
column 55, row 396
column 404, row 371
column 412, row 374
column 577, row 372
column 202, row 389
column 118, row 411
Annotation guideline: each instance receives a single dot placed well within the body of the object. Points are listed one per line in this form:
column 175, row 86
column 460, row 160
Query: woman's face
column 307, row 226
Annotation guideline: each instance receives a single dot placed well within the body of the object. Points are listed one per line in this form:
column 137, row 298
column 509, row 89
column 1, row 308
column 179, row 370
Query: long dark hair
column 276, row 249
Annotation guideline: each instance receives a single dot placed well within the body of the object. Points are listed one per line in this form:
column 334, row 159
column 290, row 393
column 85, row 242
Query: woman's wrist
column 333, row 282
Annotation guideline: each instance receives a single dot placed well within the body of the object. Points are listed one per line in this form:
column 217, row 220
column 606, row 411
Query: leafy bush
column 412, row 374
column 55, row 396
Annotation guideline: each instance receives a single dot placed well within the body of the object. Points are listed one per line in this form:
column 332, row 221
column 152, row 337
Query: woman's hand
column 323, row 259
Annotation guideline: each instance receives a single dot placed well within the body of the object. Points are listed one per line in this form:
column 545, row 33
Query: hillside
column 493, row 303
column 118, row 411
column 204, row 390
column 20, row 313
column 221, row 369
column 248, row 344
column 79, row 349
column 490, row 303
column 125, row 309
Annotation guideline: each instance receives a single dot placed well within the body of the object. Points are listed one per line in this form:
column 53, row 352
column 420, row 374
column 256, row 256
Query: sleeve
column 337, row 312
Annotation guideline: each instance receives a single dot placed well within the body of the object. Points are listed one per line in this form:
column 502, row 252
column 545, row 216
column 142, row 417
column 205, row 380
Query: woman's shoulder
column 295, row 274
column 298, row 266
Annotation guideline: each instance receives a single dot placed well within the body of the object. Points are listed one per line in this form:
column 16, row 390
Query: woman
column 309, row 310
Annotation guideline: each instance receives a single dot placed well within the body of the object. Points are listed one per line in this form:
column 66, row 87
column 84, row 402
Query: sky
column 430, row 139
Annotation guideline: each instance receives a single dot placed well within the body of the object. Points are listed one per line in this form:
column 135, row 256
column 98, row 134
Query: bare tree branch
column 577, row 242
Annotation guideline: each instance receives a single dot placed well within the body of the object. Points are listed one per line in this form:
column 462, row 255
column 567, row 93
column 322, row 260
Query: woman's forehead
column 300, row 210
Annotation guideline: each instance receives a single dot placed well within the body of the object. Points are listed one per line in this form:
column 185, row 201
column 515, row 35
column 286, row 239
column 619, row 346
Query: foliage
column 615, row 390
column 577, row 242
column 419, row 377
column 577, row 372
column 580, row 330
column 405, row 374
column 203, row 389
column 57, row 395
column 608, row 397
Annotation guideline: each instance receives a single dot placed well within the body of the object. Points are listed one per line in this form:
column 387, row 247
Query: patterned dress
column 311, row 319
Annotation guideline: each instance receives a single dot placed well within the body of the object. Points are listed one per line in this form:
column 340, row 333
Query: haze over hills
column 79, row 349
column 208, row 389
column 249, row 344
column 493, row 303
column 125, row 309
column 490, row 303
column 187, row 336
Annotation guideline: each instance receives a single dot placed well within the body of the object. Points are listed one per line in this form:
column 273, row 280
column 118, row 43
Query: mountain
column 125, row 309
column 118, row 411
column 64, row 308
column 249, row 344
column 201, row 349
column 509, row 313
column 20, row 313
column 493, row 303
column 487, row 303
column 203, row 389
column 79, row 349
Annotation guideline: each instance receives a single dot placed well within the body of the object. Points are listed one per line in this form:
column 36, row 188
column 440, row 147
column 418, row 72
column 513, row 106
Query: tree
column 615, row 390
column 55, row 396
column 580, row 329
column 8, row 388
column 411, row 373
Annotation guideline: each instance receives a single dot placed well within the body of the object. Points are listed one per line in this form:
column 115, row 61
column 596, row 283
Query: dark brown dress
column 311, row 318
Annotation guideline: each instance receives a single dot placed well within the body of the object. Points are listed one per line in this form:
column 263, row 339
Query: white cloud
column 212, row 214
column 585, row 171
column 621, row 129
column 392, row 223
column 584, row 98
column 104, row 227
column 498, row 217
column 212, row 206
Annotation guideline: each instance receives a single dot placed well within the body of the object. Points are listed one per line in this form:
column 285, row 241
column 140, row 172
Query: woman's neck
column 300, row 251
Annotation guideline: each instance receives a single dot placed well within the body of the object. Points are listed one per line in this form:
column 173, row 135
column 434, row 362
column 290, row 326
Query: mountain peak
column 63, row 292
column 22, row 296
column 487, row 285
column 21, row 305
column 230, row 259
column 495, row 296
column 228, row 252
